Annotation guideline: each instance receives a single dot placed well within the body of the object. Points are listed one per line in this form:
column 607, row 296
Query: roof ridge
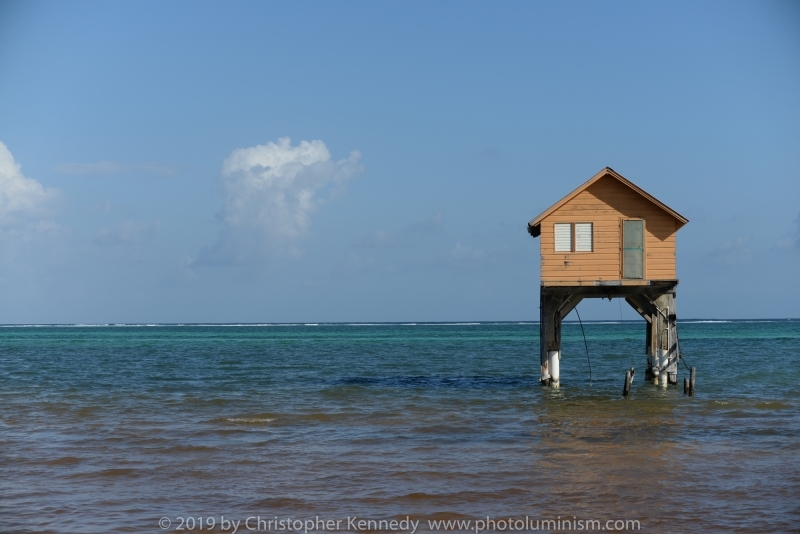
column 534, row 226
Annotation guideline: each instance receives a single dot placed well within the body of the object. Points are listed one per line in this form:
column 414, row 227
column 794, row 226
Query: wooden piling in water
column 685, row 386
column 627, row 388
column 691, row 381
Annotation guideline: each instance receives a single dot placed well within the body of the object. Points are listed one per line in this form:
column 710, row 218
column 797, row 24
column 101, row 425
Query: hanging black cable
column 677, row 341
column 585, row 344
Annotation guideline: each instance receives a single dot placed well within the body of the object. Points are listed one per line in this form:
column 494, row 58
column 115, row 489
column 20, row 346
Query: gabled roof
column 534, row 227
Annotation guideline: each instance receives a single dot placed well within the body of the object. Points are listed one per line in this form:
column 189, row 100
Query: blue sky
column 378, row 161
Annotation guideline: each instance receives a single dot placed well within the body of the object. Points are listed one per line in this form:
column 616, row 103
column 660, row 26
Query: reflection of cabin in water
column 609, row 238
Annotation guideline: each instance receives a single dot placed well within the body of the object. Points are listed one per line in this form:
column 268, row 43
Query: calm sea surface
column 112, row 428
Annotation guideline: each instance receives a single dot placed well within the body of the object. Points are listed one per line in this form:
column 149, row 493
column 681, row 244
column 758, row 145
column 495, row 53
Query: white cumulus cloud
column 271, row 192
column 22, row 199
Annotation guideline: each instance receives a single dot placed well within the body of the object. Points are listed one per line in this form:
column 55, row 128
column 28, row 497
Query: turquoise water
column 111, row 428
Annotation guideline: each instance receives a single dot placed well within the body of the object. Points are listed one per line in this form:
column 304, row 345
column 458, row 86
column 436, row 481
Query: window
column 563, row 237
column 579, row 233
column 583, row 237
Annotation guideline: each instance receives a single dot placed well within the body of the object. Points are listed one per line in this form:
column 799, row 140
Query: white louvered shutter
column 583, row 237
column 563, row 237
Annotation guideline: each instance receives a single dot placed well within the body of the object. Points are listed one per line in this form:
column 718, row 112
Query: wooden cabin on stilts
column 609, row 239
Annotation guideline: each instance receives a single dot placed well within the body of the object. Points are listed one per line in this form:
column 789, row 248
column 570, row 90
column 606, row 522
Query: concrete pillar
column 543, row 365
column 673, row 352
column 550, row 308
column 553, row 358
column 661, row 338
column 648, row 346
column 652, row 367
column 652, row 347
column 663, row 355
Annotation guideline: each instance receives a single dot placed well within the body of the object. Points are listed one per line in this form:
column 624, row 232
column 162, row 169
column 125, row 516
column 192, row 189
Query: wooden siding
column 605, row 203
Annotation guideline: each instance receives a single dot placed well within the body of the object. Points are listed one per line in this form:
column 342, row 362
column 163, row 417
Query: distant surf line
column 383, row 324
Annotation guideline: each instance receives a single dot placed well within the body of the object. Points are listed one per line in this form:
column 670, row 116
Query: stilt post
column 648, row 347
column 654, row 301
column 672, row 351
column 553, row 308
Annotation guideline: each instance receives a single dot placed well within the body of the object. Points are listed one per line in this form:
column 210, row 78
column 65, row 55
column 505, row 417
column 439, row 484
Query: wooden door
column 633, row 249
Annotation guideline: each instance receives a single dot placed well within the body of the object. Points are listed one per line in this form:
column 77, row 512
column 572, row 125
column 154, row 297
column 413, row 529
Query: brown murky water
column 116, row 429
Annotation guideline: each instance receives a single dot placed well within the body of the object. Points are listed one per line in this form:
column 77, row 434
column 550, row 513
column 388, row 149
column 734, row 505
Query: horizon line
column 377, row 323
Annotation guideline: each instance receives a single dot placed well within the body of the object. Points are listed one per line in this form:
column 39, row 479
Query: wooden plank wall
column 605, row 203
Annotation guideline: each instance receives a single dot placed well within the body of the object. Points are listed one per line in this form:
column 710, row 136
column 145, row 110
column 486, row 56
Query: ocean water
column 116, row 428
